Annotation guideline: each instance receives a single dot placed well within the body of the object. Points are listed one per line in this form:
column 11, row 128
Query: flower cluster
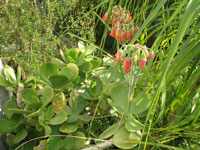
column 122, row 27
column 137, row 53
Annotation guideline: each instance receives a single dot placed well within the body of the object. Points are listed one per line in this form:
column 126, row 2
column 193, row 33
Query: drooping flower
column 122, row 37
column 127, row 65
column 151, row 55
column 105, row 17
column 129, row 16
column 118, row 56
column 142, row 63
column 112, row 33
column 128, row 36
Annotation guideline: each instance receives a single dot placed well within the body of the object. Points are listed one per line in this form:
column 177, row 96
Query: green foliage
column 153, row 107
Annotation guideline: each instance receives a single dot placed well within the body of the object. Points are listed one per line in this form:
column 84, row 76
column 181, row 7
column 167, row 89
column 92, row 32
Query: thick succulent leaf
column 121, row 139
column 132, row 125
column 10, row 74
column 58, row 119
column 110, row 131
column 58, row 81
column 69, row 127
column 7, row 105
column 48, row 70
column 47, row 95
column 6, row 126
column 4, row 82
column 29, row 96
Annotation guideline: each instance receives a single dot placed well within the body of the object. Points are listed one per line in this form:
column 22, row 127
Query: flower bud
column 142, row 63
column 127, row 65
column 105, row 17
column 112, row 33
column 122, row 37
column 128, row 36
column 151, row 55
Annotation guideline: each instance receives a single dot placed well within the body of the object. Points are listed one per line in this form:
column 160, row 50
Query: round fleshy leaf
column 110, row 131
column 67, row 72
column 48, row 69
column 20, row 136
column 58, row 62
column 47, row 95
column 132, row 125
column 119, row 95
column 10, row 74
column 86, row 67
column 60, row 102
column 74, row 69
column 74, row 142
column 6, row 126
column 68, row 127
column 42, row 145
column 54, row 143
column 140, row 103
column 59, row 81
column 7, row 105
column 121, row 139
column 29, row 96
column 58, row 119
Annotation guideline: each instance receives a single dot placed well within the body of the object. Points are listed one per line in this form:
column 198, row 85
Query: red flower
column 128, row 36
column 118, row 56
column 105, row 17
column 112, row 33
column 127, row 65
column 151, row 55
column 129, row 16
column 142, row 63
column 122, row 37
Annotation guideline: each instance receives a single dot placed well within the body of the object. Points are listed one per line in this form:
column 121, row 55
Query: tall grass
column 171, row 29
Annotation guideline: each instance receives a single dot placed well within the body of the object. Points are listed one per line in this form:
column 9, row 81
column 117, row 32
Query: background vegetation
column 33, row 32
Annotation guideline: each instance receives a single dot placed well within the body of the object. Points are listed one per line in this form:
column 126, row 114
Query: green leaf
column 90, row 49
column 78, row 105
column 54, row 143
column 7, row 105
column 58, row 119
column 4, row 82
column 67, row 72
column 86, row 67
column 58, row 81
column 110, row 131
column 47, row 95
column 73, row 53
column 29, row 96
column 84, row 117
column 74, row 69
column 121, row 139
column 20, row 136
column 48, row 69
column 68, row 127
column 10, row 139
column 6, row 126
column 140, row 103
column 74, row 142
column 119, row 95
column 58, row 62
column 41, row 146
column 132, row 125
column 72, row 118
column 10, row 74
